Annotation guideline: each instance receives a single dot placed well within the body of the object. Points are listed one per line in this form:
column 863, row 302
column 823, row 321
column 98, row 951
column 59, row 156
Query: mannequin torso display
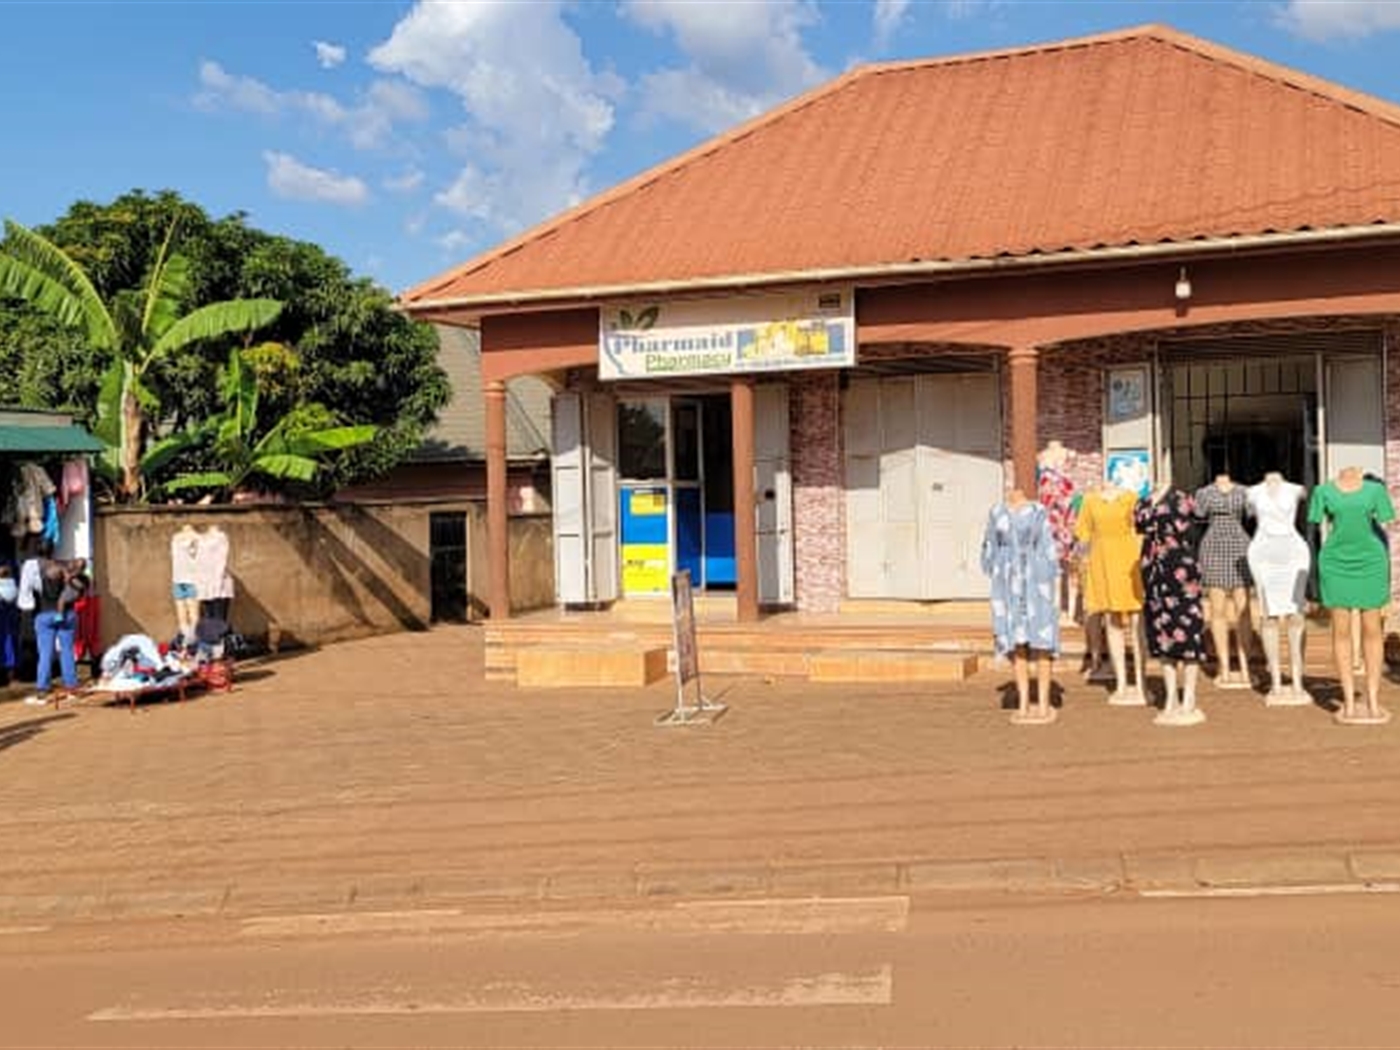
column 1018, row 554
column 1279, row 557
column 1055, row 491
column 184, row 557
column 1113, row 582
column 1225, row 545
column 1353, row 566
column 1175, row 626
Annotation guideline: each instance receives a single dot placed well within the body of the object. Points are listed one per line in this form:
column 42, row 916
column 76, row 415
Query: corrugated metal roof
column 460, row 430
column 1139, row 137
column 37, row 440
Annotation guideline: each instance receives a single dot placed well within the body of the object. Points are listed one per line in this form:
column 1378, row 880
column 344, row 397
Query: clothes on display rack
column 1020, row 558
column 211, row 576
column 1173, row 621
column 1354, row 565
column 1224, row 551
column 1279, row 558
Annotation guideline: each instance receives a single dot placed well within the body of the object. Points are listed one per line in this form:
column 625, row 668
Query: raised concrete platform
column 562, row 667
column 890, row 667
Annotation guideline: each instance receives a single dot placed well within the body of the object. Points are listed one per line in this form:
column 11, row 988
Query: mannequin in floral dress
column 1174, row 624
column 1056, row 492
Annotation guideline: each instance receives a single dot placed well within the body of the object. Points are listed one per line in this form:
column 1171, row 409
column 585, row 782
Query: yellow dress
column 1113, row 578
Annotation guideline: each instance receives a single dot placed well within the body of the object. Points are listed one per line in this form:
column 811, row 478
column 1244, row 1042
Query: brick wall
column 818, row 499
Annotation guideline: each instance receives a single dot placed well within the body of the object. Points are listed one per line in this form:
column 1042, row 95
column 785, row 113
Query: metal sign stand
column 687, row 660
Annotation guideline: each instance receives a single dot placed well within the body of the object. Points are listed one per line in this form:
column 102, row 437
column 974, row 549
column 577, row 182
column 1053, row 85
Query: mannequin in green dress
column 1354, row 572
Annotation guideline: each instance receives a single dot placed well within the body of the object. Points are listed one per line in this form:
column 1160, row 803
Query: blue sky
column 405, row 137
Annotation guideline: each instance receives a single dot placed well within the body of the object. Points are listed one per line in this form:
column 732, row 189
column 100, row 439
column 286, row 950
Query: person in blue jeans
column 55, row 626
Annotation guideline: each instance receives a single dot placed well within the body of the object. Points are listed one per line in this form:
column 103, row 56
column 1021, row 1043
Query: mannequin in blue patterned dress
column 1019, row 555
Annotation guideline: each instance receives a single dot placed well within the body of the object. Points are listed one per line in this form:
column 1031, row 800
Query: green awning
column 40, row 440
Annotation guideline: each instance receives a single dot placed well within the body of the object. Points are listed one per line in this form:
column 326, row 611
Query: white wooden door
column 773, row 494
column 923, row 466
column 584, row 440
column 1355, row 415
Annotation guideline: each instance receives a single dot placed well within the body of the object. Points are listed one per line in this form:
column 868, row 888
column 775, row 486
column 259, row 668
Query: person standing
column 55, row 627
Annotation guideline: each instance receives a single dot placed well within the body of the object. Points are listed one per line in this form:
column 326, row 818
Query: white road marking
column 816, row 915
column 8, row 931
column 871, row 988
column 1317, row 890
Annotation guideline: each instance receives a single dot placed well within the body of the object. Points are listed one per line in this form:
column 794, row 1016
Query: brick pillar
column 497, row 511
column 745, row 522
column 1022, row 361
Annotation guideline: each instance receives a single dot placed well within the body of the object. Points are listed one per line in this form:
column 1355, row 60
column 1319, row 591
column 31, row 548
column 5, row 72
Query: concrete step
column 564, row 667
column 843, row 666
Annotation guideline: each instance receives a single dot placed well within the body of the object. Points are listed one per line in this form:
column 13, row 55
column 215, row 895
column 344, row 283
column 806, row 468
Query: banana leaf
column 214, row 320
column 39, row 272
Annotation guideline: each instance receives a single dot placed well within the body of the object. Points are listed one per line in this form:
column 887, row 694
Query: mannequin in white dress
column 1279, row 560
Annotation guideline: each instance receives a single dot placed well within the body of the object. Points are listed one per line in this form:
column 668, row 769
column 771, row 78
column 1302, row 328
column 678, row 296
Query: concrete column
column 745, row 522
column 1022, row 368
column 497, row 510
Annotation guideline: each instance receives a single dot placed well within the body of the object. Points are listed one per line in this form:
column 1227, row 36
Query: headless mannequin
column 1179, row 676
column 184, row 547
column 1055, row 457
column 1039, row 713
column 1372, row 642
column 1272, row 627
column 1117, row 627
column 1229, row 608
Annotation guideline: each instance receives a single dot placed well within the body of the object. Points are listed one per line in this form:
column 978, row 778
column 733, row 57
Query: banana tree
column 138, row 328
column 293, row 449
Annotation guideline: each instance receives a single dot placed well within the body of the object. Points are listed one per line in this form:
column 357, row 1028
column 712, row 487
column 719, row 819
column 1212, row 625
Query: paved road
column 854, row 972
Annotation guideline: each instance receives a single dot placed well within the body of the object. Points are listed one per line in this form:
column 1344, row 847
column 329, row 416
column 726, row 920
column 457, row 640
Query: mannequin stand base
column 1362, row 717
column 1231, row 682
column 1129, row 697
column 1033, row 716
column 1180, row 716
column 1288, row 698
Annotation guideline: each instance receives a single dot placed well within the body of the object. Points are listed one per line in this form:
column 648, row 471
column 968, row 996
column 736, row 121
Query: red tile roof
column 1137, row 137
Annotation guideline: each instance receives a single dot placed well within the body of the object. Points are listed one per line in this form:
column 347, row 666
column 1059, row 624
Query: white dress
column 1279, row 557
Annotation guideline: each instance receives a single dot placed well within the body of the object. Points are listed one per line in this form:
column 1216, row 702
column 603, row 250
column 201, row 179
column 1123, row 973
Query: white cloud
column 454, row 242
column 1324, row 19
column 537, row 112
column 328, row 55
column 743, row 58
column 888, row 15
column 368, row 124
column 409, row 181
column 289, row 177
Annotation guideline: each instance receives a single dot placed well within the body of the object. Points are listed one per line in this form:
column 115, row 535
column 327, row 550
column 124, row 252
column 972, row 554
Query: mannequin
column 1354, row 573
column 1225, row 572
column 1279, row 561
column 1055, row 491
column 1019, row 554
column 1113, row 582
column 184, row 578
column 1175, row 627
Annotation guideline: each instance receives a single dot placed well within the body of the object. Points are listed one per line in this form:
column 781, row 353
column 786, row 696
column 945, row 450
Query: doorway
column 447, row 556
column 676, row 492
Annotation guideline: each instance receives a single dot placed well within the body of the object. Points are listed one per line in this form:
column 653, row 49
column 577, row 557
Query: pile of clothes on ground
column 136, row 663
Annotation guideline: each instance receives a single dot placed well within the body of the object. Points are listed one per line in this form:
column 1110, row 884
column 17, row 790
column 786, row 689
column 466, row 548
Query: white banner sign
column 758, row 333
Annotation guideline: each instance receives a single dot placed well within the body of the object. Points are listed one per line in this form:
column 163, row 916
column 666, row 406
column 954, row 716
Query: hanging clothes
column 1112, row 579
column 1018, row 554
column 73, row 482
column 1174, row 623
column 1354, row 565
column 1279, row 558
column 211, row 576
column 1225, row 546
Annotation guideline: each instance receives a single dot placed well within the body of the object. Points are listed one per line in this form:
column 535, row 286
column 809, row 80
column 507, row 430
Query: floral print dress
column 1018, row 554
column 1173, row 621
column 1055, row 491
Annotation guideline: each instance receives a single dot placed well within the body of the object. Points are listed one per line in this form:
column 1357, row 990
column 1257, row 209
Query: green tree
column 294, row 449
column 355, row 353
column 136, row 328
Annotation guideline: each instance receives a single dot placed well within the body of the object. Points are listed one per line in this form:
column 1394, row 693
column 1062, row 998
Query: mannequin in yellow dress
column 1113, row 582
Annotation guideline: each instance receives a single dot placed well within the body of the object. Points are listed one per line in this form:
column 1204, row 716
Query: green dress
column 1354, row 565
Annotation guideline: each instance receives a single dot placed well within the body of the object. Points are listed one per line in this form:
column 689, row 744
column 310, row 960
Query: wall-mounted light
column 1183, row 286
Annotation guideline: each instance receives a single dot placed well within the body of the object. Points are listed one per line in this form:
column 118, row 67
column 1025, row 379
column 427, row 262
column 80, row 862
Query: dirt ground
column 391, row 767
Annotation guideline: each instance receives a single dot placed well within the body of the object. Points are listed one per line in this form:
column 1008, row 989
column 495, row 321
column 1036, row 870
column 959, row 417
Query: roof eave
column 469, row 308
